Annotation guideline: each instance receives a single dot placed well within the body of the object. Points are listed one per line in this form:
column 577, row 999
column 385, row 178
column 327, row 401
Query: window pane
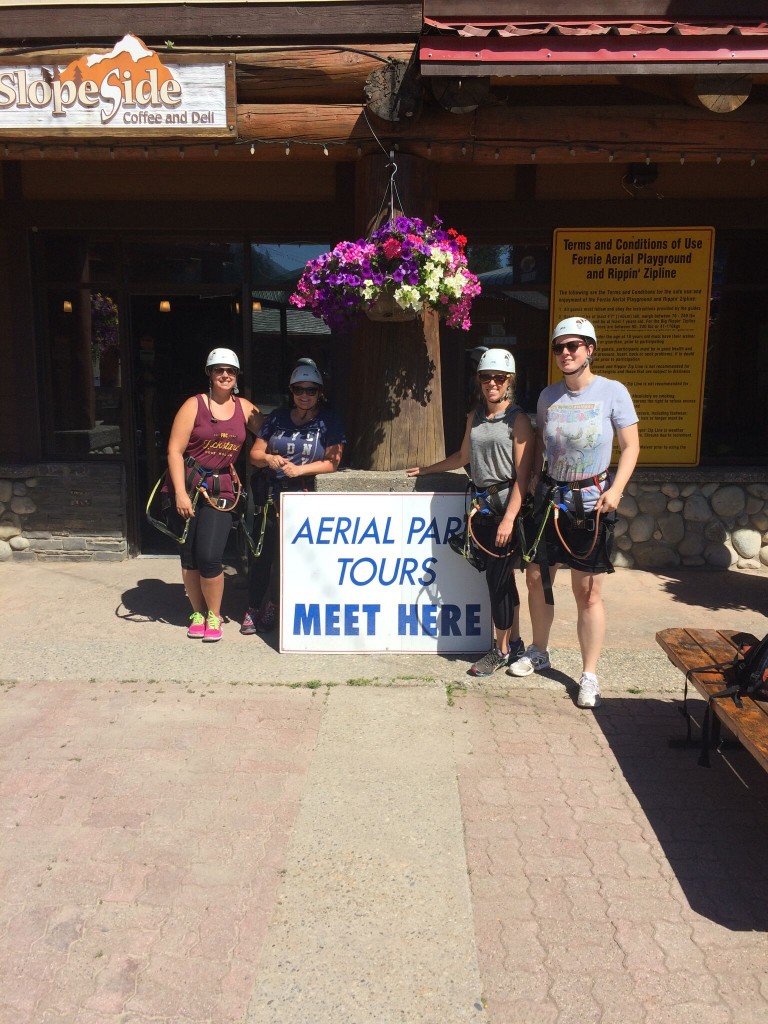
column 281, row 334
column 183, row 262
column 69, row 259
column 85, row 392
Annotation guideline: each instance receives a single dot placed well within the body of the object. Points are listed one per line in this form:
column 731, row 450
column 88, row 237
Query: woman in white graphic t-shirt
column 577, row 419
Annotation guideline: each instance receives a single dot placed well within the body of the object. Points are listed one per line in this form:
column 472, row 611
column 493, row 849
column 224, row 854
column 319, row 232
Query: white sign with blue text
column 374, row 572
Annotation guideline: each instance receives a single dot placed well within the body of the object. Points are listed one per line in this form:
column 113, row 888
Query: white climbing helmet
column 222, row 357
column 304, row 374
column 496, row 359
column 575, row 325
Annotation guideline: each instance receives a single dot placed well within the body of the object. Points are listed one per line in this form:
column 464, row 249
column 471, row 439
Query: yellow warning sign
column 647, row 292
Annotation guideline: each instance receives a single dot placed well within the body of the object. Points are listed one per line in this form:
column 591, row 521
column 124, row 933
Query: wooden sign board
column 127, row 92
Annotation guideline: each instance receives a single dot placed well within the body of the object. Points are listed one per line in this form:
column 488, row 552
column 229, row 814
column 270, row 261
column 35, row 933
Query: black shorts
column 569, row 544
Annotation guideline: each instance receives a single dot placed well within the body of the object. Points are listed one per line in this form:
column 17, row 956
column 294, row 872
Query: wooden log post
column 394, row 401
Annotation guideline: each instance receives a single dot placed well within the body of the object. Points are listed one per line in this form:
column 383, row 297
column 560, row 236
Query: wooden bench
column 703, row 655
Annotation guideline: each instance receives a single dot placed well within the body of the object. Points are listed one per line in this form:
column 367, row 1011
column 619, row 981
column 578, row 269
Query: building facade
column 130, row 247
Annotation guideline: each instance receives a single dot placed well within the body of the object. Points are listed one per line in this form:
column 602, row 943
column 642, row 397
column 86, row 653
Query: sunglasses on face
column 497, row 378
column 229, row 370
column 304, row 391
column 572, row 346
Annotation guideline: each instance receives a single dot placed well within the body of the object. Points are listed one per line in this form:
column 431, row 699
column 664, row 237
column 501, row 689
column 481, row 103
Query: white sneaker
column 589, row 691
column 533, row 660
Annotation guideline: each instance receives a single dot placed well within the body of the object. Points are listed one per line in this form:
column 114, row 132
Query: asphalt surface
column 211, row 834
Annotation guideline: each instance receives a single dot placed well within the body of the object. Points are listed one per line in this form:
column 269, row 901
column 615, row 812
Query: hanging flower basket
column 407, row 264
column 385, row 310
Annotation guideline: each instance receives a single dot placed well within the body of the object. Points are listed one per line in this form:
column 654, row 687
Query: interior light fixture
column 165, row 306
column 256, row 306
column 66, row 306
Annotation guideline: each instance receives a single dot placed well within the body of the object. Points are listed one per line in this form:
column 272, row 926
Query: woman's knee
column 210, row 570
column 587, row 590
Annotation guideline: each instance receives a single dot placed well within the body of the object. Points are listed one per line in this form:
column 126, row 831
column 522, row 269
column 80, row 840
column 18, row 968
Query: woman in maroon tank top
column 211, row 430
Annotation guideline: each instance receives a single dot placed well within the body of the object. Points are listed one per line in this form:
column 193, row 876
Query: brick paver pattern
column 613, row 879
column 144, row 830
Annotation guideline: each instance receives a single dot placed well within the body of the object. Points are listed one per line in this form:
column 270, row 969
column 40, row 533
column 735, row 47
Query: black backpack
column 749, row 672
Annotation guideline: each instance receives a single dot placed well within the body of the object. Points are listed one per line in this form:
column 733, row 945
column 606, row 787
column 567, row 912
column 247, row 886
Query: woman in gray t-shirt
column 577, row 419
column 498, row 444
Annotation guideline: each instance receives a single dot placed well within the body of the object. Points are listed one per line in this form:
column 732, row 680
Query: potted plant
column 404, row 267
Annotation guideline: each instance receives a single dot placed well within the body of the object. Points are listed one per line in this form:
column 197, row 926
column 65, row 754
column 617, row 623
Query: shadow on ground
column 154, row 601
column 719, row 590
column 712, row 823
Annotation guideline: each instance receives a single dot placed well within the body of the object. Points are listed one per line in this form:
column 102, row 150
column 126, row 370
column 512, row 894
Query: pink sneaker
column 248, row 627
column 212, row 629
column 196, row 630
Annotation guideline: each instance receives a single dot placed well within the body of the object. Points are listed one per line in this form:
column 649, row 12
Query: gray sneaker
column 533, row 660
column 490, row 663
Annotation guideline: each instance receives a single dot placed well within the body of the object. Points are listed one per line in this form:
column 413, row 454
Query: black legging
column 499, row 574
column 203, row 549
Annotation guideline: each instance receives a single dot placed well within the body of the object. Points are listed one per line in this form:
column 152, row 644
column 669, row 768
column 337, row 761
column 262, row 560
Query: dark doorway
column 171, row 337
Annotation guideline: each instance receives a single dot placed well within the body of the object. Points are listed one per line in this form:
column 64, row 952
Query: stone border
column 711, row 518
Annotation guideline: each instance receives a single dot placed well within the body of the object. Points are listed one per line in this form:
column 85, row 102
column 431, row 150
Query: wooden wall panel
column 736, row 179
column 253, row 22
column 283, row 181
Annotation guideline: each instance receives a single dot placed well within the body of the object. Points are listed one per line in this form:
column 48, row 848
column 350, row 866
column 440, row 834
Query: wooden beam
column 550, row 132
column 722, row 94
column 510, row 135
column 269, row 22
column 332, row 75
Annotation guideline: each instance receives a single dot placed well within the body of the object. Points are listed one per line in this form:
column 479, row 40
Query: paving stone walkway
column 215, row 854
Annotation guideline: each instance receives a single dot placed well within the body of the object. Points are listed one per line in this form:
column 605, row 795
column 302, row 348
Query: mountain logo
column 130, row 78
column 130, row 74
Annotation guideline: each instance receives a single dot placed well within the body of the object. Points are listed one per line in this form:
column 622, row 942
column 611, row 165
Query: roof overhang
column 551, row 50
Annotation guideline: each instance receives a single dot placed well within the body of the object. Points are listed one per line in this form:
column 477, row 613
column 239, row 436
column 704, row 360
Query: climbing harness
column 198, row 482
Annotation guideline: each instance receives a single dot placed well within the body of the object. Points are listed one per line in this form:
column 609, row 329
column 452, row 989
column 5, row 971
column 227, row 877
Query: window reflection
column 281, row 333
column 84, row 359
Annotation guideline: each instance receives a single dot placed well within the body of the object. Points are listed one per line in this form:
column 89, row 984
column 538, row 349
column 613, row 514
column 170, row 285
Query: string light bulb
column 611, row 157
column 216, row 149
column 253, row 148
column 753, row 161
column 325, row 150
column 146, row 152
column 181, row 152
column 287, row 149
column 572, row 151
column 718, row 158
column 533, row 154
column 647, row 159
column 682, row 158
column 429, row 148
column 463, row 149
column 111, row 152
column 496, row 154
